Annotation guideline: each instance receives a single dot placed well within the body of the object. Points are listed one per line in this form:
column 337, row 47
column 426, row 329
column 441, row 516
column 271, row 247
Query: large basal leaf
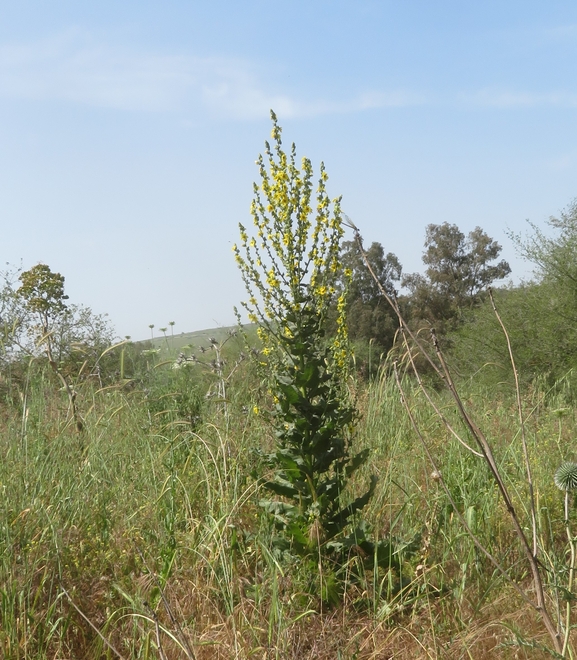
column 356, row 462
column 285, row 488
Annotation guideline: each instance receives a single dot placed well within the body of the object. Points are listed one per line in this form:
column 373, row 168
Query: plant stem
column 572, row 546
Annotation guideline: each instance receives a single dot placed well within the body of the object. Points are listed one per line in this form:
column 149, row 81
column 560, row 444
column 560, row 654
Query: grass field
column 142, row 537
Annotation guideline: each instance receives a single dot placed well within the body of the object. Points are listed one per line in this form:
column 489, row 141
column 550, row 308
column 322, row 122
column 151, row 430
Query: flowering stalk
column 290, row 268
column 293, row 260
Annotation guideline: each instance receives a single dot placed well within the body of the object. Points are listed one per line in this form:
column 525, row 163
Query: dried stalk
column 572, row 544
column 459, row 515
column 521, row 425
column 444, row 374
column 69, row 391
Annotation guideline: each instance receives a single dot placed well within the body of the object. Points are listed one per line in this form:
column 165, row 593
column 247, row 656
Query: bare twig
column 434, row 406
column 158, row 640
column 182, row 637
column 572, row 544
column 89, row 622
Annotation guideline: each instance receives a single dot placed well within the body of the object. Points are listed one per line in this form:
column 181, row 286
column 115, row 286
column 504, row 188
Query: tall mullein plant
column 290, row 267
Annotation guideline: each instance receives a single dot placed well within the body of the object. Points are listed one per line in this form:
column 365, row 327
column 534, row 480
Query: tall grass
column 144, row 538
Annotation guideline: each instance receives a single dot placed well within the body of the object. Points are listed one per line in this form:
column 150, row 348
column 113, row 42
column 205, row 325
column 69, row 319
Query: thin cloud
column 525, row 38
column 66, row 68
column 497, row 98
column 72, row 67
column 561, row 33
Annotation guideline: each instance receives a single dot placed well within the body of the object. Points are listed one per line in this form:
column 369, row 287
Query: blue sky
column 129, row 132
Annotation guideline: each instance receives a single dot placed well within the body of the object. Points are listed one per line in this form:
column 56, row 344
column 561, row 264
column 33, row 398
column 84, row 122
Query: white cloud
column 499, row 98
column 73, row 67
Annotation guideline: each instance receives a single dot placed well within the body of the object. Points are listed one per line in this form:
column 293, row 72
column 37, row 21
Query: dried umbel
column 566, row 476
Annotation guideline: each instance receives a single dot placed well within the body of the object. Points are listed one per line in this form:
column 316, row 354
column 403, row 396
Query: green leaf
column 357, row 461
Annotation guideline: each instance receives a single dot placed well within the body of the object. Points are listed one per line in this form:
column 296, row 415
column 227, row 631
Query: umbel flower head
column 566, row 476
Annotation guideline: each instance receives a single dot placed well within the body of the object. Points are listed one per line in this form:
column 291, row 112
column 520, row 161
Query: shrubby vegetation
column 262, row 497
column 540, row 316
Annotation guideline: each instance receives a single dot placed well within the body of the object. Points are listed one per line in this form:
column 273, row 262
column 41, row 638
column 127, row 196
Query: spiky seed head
column 566, row 476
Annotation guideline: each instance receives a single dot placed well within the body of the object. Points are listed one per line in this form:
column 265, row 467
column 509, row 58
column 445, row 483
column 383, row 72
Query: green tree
column 459, row 270
column 71, row 334
column 543, row 313
column 371, row 322
column 12, row 316
column 43, row 295
column 555, row 256
column 543, row 341
column 71, row 337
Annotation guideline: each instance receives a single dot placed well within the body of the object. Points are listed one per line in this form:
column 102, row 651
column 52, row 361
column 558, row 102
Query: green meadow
column 142, row 536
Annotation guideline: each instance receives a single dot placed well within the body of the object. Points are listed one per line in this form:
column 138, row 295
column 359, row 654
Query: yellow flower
column 271, row 279
column 255, row 410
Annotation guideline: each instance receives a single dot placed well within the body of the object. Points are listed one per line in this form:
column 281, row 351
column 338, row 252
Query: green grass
column 151, row 528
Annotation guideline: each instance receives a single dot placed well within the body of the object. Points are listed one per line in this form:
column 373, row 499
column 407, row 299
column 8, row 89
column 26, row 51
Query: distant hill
column 199, row 339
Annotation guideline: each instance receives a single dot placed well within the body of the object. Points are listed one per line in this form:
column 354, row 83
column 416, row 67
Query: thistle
column 566, row 476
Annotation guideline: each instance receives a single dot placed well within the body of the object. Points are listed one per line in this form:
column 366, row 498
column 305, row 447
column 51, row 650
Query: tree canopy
column 459, row 270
